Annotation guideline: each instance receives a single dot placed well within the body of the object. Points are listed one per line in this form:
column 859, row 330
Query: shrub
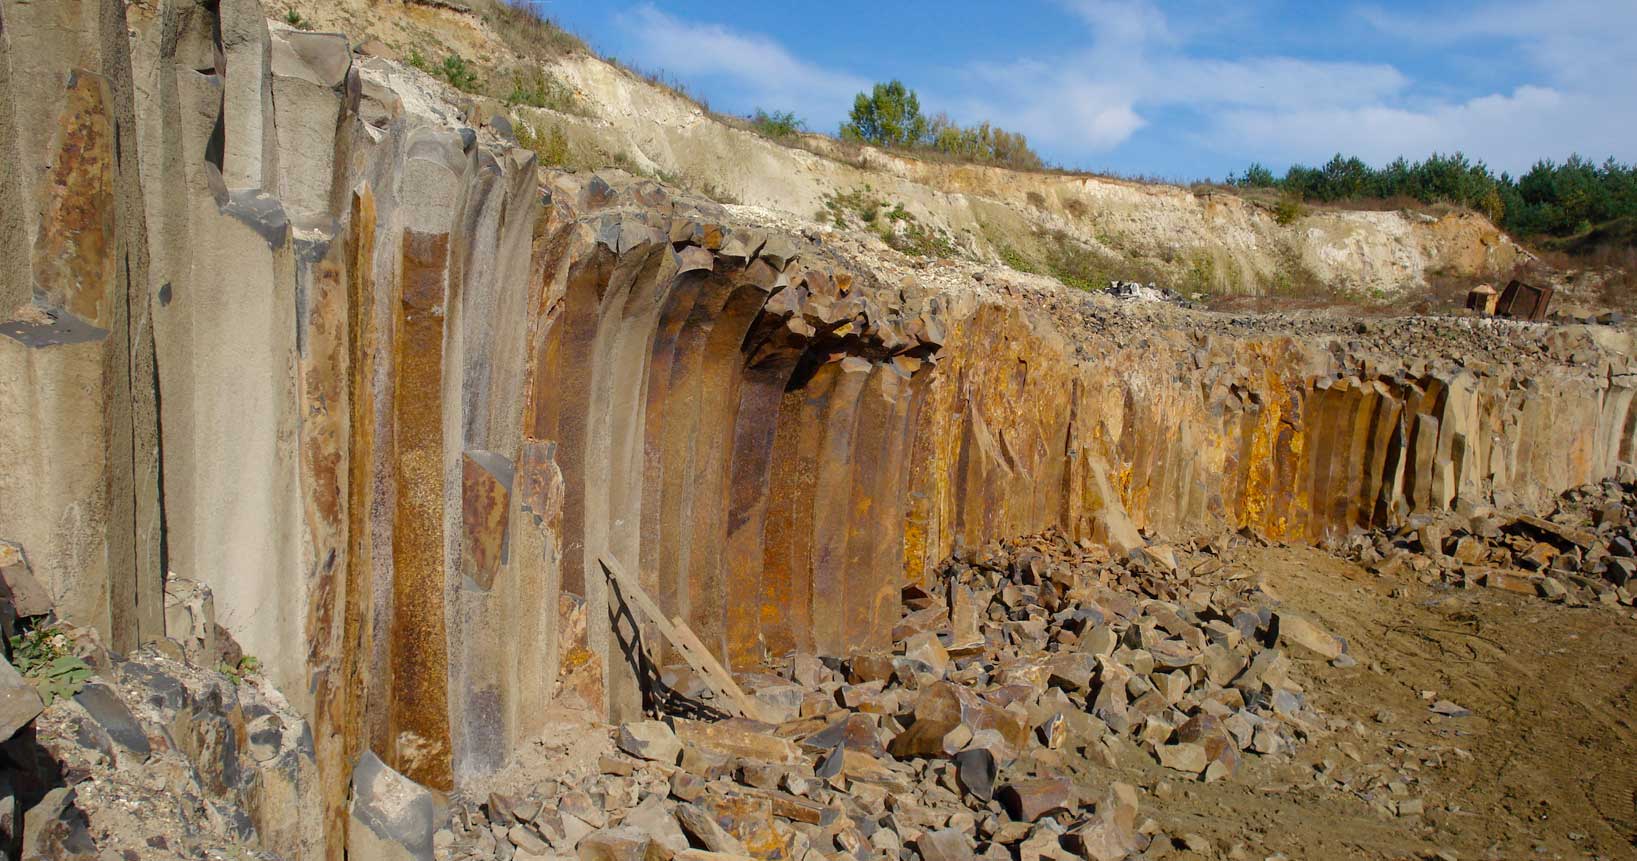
column 777, row 124
column 982, row 143
column 551, row 147
column 454, row 70
column 237, row 673
column 1289, row 209
column 460, row 74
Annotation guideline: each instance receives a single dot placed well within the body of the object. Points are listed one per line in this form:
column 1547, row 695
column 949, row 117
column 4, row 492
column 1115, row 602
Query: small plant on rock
column 551, row 146
column 460, row 74
column 237, row 673
column 44, row 657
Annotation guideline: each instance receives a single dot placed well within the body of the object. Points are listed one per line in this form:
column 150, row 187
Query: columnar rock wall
column 1295, row 437
column 283, row 324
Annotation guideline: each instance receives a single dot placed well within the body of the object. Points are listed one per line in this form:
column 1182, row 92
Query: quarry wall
column 274, row 325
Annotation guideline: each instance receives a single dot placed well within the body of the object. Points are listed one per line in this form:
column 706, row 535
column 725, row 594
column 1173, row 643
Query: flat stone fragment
column 944, row 845
column 618, row 844
column 741, row 738
column 1297, row 631
column 1029, row 800
column 105, row 708
column 1449, row 709
column 1188, row 757
column 651, row 740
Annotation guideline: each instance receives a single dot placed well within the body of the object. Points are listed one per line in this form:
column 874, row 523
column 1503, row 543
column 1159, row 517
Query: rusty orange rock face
column 486, row 491
column 74, row 256
column 419, row 712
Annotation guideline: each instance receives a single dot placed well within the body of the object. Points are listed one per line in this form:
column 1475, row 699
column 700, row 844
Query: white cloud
column 759, row 68
column 1095, row 99
column 1571, row 71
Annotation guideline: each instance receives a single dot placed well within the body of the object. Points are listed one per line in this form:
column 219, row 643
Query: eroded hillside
column 1204, row 241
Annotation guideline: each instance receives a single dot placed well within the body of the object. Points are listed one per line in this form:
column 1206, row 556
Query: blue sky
column 1176, row 90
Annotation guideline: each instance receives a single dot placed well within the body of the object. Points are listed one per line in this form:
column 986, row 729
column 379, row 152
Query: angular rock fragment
column 738, row 737
column 19, row 701
column 944, row 845
column 618, row 844
column 651, row 740
column 390, row 817
column 1297, row 631
column 1030, row 800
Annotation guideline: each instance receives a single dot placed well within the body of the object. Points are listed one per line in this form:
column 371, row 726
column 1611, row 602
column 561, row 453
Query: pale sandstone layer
column 284, row 324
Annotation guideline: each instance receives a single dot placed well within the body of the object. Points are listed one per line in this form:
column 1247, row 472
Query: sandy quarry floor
column 1545, row 767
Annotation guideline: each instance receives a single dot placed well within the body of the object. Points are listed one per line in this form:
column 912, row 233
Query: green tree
column 889, row 116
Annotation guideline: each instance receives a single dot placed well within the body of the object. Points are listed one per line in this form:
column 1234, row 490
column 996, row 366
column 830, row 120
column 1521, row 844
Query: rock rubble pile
column 1017, row 680
column 1583, row 552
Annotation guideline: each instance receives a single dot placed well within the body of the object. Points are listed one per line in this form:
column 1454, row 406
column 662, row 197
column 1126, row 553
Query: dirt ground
column 1544, row 767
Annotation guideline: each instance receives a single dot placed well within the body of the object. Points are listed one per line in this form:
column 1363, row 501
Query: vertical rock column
column 77, row 413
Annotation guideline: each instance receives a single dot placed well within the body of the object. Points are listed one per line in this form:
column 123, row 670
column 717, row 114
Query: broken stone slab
column 1298, row 631
column 390, row 817
column 853, row 731
column 739, row 737
column 651, row 740
column 703, row 828
column 926, row 648
column 1029, row 800
column 946, row 844
column 619, row 844
column 19, row 701
column 105, row 707
column 1187, row 757
column 190, row 619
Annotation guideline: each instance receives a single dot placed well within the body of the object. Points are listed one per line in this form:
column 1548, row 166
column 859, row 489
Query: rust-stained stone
column 741, row 738
column 419, row 717
column 73, row 254
column 486, row 487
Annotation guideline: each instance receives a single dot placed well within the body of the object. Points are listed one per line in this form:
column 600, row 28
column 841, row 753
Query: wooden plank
column 687, row 643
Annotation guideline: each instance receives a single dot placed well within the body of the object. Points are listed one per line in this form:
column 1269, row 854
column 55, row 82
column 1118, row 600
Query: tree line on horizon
column 1559, row 199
